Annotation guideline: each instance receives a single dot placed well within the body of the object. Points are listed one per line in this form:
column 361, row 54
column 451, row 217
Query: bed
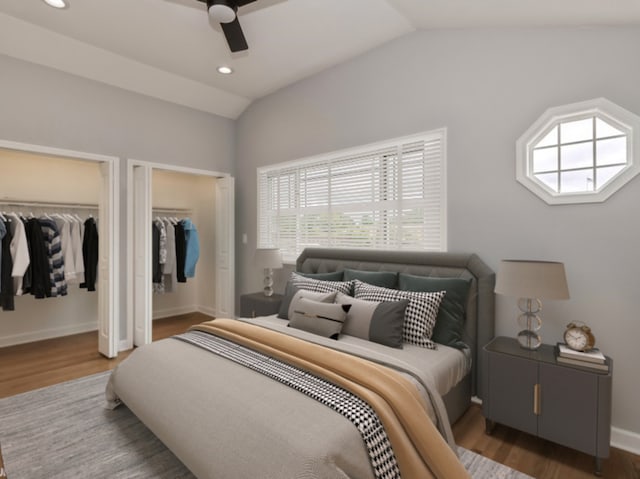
column 224, row 415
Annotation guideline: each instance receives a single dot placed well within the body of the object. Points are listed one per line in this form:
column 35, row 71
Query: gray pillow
column 379, row 322
column 292, row 292
column 324, row 319
column 333, row 276
column 420, row 315
column 386, row 279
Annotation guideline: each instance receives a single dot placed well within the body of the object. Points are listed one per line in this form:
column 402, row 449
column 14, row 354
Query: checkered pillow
column 320, row 286
column 420, row 315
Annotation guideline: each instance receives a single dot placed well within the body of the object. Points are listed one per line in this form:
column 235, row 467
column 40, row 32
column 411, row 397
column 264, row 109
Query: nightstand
column 257, row 304
column 532, row 392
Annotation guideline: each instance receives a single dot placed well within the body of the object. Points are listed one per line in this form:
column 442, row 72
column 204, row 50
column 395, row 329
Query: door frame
column 128, row 341
column 109, row 203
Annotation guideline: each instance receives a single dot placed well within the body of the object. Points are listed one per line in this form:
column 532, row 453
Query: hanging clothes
column 64, row 227
column 26, row 279
column 192, row 248
column 19, row 253
column 3, row 231
column 53, row 244
column 40, row 279
column 181, row 252
column 90, row 254
column 6, row 267
column 77, row 234
column 158, row 276
column 169, row 269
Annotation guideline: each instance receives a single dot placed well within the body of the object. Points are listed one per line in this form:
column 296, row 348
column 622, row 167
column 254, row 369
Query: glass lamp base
column 529, row 339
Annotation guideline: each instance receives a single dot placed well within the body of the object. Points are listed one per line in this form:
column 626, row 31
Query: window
column 579, row 153
column 388, row 195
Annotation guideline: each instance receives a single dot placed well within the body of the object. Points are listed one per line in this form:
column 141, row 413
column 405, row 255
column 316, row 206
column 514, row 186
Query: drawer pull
column 536, row 399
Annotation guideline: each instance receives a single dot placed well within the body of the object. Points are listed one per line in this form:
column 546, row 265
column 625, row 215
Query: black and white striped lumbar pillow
column 324, row 319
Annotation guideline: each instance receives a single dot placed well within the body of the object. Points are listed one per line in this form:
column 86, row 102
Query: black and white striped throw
column 350, row 406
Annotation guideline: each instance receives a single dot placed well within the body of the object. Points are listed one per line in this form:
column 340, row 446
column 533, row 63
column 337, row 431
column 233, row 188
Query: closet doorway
column 38, row 180
column 162, row 192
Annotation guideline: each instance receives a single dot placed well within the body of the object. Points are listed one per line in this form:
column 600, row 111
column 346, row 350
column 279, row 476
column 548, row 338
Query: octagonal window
column 579, row 153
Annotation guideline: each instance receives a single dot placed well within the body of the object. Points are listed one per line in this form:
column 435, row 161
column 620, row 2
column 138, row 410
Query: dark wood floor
column 31, row 366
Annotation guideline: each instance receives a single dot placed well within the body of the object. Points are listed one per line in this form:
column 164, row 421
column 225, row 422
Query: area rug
column 65, row 431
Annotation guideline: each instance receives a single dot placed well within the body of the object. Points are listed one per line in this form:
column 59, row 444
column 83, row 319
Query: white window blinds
column 385, row 196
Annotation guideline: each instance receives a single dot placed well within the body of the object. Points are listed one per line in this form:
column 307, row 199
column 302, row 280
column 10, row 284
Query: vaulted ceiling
column 170, row 49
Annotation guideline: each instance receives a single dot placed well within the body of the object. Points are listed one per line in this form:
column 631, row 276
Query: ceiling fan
column 225, row 13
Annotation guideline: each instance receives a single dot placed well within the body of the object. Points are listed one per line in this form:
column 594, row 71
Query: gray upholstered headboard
column 479, row 325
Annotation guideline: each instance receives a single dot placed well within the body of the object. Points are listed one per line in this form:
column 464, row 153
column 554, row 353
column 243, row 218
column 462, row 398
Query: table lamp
column 269, row 259
column 531, row 281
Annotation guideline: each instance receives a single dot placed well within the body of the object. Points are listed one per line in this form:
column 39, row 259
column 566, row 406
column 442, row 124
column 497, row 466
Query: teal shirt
column 193, row 248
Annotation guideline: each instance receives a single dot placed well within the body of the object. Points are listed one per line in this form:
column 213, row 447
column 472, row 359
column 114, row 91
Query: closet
column 160, row 192
column 45, row 182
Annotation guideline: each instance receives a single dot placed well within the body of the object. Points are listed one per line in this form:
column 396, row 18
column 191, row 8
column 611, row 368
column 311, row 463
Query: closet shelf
column 48, row 204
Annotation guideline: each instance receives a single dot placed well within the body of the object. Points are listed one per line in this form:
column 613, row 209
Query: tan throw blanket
column 420, row 450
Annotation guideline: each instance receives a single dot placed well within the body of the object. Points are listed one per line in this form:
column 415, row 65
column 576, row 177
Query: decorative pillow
column 324, row 319
column 319, row 285
column 449, row 328
column 333, row 276
column 378, row 322
column 386, row 279
column 419, row 317
column 292, row 292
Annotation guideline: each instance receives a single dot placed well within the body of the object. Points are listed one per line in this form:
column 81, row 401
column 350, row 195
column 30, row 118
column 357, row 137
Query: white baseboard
column 626, row 440
column 207, row 310
column 48, row 334
column 167, row 313
column 125, row 345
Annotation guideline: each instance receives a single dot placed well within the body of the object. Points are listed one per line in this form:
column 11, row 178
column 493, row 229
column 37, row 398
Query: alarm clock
column 578, row 336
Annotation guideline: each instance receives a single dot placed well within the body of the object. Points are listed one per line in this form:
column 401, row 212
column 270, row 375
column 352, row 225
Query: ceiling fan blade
column 235, row 37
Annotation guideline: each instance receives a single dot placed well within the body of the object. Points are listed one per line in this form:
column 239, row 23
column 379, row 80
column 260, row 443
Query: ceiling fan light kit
column 221, row 12
column 56, row 3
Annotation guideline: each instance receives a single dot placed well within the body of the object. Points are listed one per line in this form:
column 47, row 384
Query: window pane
column 545, row 159
column 576, row 181
column 550, row 180
column 576, row 156
column 604, row 129
column 549, row 139
column 576, row 130
column 611, row 152
column 604, row 175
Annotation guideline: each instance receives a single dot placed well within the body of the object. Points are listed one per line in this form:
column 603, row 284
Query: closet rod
column 172, row 210
column 48, row 204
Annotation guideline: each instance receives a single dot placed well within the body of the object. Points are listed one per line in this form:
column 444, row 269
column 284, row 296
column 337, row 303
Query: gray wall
column 42, row 106
column 486, row 87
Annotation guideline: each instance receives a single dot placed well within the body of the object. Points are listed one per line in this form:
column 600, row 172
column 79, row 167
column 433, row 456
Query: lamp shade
column 270, row 258
column 532, row 279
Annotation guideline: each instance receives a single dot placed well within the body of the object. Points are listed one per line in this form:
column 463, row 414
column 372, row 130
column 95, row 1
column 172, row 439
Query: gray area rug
column 65, row 431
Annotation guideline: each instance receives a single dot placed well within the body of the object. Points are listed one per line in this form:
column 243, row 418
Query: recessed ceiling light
column 56, row 3
column 225, row 70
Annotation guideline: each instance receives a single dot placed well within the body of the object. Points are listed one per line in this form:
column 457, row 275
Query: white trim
column 51, row 333
column 177, row 311
column 114, row 220
column 600, row 107
column 207, row 310
column 626, row 440
column 127, row 342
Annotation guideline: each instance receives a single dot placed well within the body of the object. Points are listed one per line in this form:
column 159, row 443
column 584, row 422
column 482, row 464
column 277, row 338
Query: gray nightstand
column 257, row 304
column 532, row 392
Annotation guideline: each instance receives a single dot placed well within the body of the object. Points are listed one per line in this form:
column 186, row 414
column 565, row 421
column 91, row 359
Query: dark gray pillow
column 324, row 319
column 449, row 327
column 333, row 276
column 379, row 322
column 420, row 315
column 292, row 291
column 386, row 279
